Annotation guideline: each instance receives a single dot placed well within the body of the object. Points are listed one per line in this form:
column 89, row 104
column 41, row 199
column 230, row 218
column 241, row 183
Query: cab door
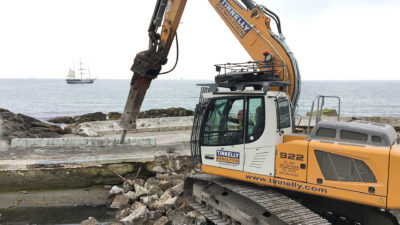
column 222, row 137
column 260, row 136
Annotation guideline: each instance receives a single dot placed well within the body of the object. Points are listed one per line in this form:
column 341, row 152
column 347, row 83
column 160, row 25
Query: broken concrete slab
column 80, row 142
column 100, row 128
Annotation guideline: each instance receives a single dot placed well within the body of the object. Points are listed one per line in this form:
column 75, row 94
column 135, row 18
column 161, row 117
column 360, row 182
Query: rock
column 140, row 191
column 116, row 190
column 86, row 129
column 175, row 165
column 62, row 119
column 162, row 221
column 90, row 221
column 164, row 185
column 176, row 217
column 122, row 213
column 158, row 214
column 170, row 112
column 160, row 203
column 170, row 203
column 177, row 189
column 155, row 215
column 22, row 126
column 181, row 203
column 194, row 217
column 114, row 115
column 120, row 201
column 131, row 195
column 151, row 215
column 158, row 169
column 152, row 186
column 138, row 214
column 166, row 195
column 97, row 116
column 128, row 185
column 144, row 199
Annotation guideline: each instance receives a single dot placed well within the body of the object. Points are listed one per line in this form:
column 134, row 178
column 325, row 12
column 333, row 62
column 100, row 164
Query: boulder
column 176, row 217
column 155, row 215
column 170, row 203
column 87, row 130
column 140, row 191
column 170, row 112
column 116, row 190
column 120, row 201
column 138, row 214
column 62, row 119
column 162, row 221
column 164, row 185
column 131, row 195
column 114, row 115
column 152, row 186
column 97, row 116
column 23, row 126
column 122, row 213
column 177, row 189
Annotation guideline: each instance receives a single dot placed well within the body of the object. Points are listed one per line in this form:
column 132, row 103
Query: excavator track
column 225, row 201
column 396, row 213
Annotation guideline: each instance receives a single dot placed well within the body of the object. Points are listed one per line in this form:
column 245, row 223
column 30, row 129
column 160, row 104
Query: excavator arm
column 147, row 64
column 249, row 22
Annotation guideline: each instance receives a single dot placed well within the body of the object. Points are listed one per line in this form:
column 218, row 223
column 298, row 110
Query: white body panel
column 223, row 156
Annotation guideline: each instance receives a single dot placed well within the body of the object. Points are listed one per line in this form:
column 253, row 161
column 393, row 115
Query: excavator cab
column 241, row 118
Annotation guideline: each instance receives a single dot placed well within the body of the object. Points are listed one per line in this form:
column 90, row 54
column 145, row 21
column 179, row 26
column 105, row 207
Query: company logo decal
column 228, row 157
column 230, row 14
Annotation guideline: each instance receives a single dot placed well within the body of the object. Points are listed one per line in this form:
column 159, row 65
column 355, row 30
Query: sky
column 331, row 39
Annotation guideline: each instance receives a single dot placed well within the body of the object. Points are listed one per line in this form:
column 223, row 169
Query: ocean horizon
column 48, row 98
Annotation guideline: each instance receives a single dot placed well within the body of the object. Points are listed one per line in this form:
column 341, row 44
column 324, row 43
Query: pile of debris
column 157, row 200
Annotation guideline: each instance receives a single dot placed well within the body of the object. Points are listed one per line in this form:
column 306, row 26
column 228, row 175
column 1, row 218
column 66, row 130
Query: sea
column 48, row 98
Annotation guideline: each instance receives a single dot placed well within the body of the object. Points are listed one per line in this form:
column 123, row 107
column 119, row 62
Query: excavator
column 257, row 168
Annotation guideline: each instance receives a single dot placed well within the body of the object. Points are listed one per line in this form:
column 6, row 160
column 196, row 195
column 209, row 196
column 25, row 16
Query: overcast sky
column 331, row 39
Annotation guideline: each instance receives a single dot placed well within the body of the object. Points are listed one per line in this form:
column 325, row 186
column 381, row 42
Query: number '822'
column 292, row 156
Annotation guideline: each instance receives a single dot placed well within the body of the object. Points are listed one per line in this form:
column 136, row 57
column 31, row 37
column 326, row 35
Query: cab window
column 284, row 113
column 255, row 118
column 224, row 123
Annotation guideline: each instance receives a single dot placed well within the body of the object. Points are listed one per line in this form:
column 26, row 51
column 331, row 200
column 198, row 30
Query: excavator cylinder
column 249, row 4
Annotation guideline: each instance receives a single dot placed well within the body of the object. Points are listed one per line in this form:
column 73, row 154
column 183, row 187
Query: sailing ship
column 72, row 79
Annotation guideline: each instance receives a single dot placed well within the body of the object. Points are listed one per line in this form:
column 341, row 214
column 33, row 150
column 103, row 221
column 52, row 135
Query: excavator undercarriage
column 230, row 202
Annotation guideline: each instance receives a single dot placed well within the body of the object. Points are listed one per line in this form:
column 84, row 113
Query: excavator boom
column 249, row 22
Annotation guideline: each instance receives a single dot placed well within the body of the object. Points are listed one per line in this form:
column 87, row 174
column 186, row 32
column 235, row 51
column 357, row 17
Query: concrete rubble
column 158, row 199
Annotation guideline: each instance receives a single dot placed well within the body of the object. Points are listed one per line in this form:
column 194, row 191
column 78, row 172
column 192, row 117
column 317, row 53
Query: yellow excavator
column 256, row 167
